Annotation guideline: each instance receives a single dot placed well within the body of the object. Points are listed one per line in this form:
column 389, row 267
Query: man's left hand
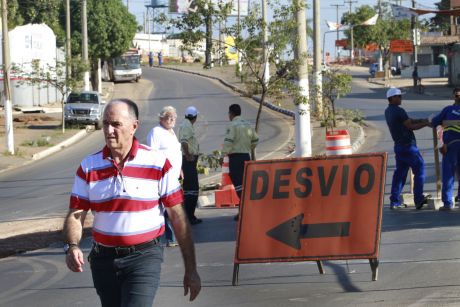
column 192, row 282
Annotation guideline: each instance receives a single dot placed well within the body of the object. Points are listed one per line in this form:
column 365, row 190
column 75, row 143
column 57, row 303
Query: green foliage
column 382, row 33
column 209, row 161
column 440, row 23
column 21, row 12
column 335, row 85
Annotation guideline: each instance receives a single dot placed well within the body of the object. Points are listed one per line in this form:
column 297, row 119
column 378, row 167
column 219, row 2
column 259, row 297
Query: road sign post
column 310, row 209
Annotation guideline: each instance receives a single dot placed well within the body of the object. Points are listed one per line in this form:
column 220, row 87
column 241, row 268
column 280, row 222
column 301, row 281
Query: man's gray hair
column 167, row 110
column 133, row 110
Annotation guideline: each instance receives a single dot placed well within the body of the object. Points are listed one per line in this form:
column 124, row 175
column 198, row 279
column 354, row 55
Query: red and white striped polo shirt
column 126, row 205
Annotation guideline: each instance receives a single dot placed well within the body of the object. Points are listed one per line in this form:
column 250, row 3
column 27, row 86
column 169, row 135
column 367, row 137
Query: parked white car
column 84, row 107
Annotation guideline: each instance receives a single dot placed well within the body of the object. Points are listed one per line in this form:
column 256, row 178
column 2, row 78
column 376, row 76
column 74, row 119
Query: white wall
column 27, row 43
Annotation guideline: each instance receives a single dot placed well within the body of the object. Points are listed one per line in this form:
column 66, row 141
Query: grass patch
column 43, row 142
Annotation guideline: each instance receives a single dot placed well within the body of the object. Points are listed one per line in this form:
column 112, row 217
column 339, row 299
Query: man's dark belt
column 122, row 250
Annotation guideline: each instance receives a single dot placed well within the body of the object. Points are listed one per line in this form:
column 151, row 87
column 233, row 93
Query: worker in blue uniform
column 451, row 150
column 406, row 151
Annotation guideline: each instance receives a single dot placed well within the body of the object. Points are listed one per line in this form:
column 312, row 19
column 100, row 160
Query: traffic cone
column 226, row 196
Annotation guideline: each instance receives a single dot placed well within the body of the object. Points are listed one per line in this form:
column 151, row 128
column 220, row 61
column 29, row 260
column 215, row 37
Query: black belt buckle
column 123, row 251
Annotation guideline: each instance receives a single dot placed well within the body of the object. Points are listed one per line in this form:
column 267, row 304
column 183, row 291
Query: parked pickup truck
column 84, row 107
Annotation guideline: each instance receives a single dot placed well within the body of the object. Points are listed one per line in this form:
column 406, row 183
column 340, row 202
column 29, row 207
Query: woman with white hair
column 163, row 138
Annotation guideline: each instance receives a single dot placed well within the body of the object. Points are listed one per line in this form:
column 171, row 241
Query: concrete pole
column 68, row 50
column 337, row 20
column 302, row 115
column 6, row 81
column 265, row 37
column 352, row 55
column 240, row 65
column 414, row 28
column 84, row 33
column 318, row 77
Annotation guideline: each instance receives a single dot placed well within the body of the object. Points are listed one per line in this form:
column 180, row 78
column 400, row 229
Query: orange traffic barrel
column 338, row 143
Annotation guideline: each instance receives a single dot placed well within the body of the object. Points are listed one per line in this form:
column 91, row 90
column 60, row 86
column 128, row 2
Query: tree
column 382, row 33
column 54, row 76
column 196, row 25
column 335, row 85
column 281, row 40
column 441, row 22
column 111, row 28
column 21, row 12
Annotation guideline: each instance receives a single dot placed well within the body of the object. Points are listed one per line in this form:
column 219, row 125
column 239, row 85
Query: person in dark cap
column 190, row 152
column 407, row 154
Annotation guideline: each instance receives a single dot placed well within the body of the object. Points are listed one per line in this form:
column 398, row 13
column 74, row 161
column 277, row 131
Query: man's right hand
column 74, row 259
column 192, row 283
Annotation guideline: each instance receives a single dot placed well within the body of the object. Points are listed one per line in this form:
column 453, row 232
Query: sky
column 327, row 12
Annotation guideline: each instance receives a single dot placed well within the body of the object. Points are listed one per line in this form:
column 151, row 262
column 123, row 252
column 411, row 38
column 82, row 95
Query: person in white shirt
column 163, row 138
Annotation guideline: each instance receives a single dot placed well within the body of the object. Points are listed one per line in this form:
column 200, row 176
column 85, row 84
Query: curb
column 57, row 147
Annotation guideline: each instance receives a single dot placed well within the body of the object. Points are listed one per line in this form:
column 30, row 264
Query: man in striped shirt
column 127, row 186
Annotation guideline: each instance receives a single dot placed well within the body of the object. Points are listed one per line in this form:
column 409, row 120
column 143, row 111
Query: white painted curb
column 63, row 144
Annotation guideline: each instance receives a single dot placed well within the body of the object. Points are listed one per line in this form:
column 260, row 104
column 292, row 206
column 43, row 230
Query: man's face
column 396, row 99
column 119, row 127
column 168, row 121
column 457, row 97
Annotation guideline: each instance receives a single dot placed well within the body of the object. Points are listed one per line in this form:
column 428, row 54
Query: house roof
column 439, row 40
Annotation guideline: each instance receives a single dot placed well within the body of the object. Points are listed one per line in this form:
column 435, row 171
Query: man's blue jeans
column 130, row 280
column 407, row 156
column 449, row 166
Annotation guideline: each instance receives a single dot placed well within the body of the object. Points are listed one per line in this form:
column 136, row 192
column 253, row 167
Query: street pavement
column 435, row 87
column 411, row 254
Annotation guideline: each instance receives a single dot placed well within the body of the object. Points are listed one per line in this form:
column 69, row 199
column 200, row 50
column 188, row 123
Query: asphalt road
column 43, row 189
column 419, row 256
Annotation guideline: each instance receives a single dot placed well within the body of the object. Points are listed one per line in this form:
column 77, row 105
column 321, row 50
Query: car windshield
column 83, row 98
column 127, row 62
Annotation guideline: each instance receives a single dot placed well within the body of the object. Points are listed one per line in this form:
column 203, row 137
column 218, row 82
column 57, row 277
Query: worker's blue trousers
column 407, row 156
column 449, row 165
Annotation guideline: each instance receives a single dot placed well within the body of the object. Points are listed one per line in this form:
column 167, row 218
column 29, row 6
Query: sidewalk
column 435, row 87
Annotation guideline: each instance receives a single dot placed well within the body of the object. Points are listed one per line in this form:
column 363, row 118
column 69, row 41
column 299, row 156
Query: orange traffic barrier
column 338, row 143
column 226, row 196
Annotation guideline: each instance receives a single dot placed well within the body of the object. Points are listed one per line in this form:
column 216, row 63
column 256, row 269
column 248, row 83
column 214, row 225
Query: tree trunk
column 208, row 42
column 63, row 115
column 94, row 78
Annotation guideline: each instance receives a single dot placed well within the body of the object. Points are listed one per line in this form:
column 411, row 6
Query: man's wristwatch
column 68, row 246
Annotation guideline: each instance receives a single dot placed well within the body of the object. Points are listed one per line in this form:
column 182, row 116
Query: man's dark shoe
column 444, row 208
column 196, row 221
column 419, row 205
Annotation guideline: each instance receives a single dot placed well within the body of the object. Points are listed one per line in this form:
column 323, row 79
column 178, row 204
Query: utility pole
column 68, row 53
column 318, row 78
column 302, row 115
column 352, row 55
column 414, row 32
column 84, row 33
column 127, row 5
column 265, row 38
column 337, row 18
column 6, row 81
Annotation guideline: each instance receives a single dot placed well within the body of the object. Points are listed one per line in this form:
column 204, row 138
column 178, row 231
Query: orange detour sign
column 401, row 46
column 310, row 209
